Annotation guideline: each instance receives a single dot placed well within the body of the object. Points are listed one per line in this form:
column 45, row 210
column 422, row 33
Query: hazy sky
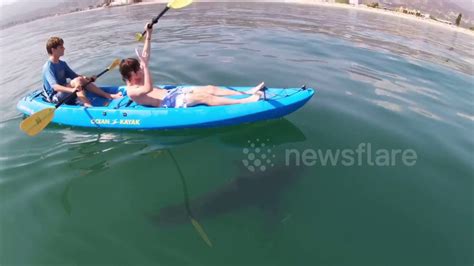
column 469, row 4
column 32, row 2
column 11, row 9
column 35, row 2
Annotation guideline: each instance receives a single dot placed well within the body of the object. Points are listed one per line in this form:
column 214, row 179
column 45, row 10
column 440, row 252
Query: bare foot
column 87, row 105
column 256, row 88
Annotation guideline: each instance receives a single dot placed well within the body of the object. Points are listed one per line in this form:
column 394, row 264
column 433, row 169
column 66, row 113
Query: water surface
column 86, row 196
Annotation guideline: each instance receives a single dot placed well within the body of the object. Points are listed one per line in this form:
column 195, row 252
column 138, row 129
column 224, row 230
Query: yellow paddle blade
column 139, row 37
column 201, row 232
column 114, row 64
column 37, row 121
column 179, row 3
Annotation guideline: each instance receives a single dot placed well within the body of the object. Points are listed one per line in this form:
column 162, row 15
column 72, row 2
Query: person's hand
column 86, row 79
column 78, row 87
column 83, row 80
column 143, row 57
column 149, row 30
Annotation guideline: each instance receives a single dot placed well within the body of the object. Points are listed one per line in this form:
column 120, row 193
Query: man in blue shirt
column 55, row 75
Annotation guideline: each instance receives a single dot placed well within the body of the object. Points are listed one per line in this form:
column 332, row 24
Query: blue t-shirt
column 56, row 74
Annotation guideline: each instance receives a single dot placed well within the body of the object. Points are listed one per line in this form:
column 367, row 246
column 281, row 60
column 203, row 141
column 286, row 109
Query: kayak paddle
column 39, row 120
column 195, row 223
column 175, row 4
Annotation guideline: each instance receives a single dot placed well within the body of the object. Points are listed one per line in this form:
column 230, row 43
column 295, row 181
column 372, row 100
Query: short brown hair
column 127, row 66
column 53, row 42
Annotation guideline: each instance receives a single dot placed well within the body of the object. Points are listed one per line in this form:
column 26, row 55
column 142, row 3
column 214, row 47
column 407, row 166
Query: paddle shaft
column 72, row 95
column 194, row 222
column 155, row 20
column 185, row 188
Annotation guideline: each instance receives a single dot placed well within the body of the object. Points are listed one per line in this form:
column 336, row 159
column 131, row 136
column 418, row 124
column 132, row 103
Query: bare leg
column 94, row 89
column 219, row 91
column 212, row 100
column 82, row 97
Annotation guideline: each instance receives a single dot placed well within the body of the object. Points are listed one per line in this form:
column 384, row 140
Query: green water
column 73, row 196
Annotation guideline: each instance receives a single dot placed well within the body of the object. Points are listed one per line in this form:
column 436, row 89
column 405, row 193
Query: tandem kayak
column 123, row 113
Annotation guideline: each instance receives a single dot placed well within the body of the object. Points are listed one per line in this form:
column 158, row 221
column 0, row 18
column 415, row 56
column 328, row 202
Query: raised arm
column 144, row 57
column 146, row 47
column 147, row 80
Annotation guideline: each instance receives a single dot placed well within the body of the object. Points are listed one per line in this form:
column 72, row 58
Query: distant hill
column 27, row 10
column 23, row 11
column 443, row 9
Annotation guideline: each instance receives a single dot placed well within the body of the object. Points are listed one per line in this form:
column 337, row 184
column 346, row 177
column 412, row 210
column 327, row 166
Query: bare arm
column 60, row 88
column 137, row 91
column 146, row 47
column 147, row 80
column 144, row 58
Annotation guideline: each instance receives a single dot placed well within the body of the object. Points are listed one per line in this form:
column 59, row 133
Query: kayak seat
column 123, row 90
column 122, row 102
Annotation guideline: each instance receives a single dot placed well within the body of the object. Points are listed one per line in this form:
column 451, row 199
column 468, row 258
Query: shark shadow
column 263, row 190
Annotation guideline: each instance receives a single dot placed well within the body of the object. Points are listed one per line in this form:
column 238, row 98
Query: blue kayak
column 126, row 114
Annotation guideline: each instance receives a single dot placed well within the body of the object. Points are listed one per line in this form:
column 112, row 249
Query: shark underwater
column 263, row 189
column 248, row 189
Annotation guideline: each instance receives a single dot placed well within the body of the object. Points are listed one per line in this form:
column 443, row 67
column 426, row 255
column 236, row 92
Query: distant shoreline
column 391, row 13
column 362, row 8
column 344, row 6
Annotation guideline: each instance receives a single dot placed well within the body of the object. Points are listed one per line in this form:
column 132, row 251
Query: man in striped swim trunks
column 136, row 75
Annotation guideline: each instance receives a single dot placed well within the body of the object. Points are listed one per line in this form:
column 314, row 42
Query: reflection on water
column 388, row 105
column 95, row 152
column 424, row 113
column 90, row 146
column 401, row 37
column 287, row 133
column 469, row 117
column 395, row 93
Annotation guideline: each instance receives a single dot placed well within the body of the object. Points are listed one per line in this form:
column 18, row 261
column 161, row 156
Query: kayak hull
column 125, row 114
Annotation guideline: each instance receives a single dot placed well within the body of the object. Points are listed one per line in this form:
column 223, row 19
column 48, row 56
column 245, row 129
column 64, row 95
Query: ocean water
column 73, row 196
